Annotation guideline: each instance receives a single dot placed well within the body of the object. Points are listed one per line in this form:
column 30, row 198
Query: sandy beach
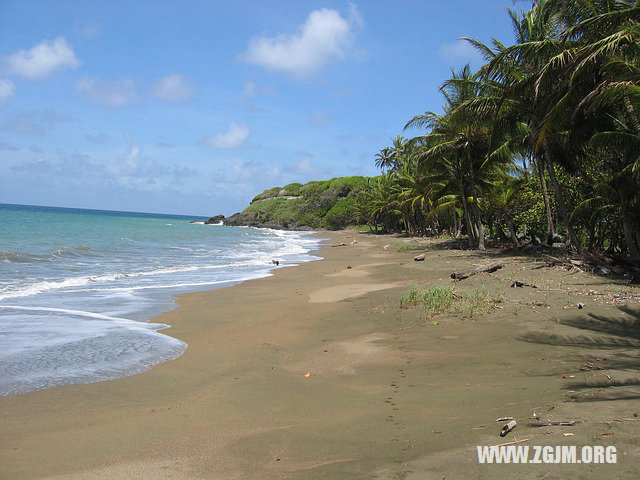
column 317, row 372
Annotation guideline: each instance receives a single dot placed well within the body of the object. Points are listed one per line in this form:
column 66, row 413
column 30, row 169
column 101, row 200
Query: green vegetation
column 411, row 298
column 438, row 299
column 542, row 142
column 330, row 204
column 293, row 189
column 408, row 246
column 442, row 299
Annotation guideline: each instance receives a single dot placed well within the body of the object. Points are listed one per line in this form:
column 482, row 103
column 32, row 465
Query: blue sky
column 193, row 107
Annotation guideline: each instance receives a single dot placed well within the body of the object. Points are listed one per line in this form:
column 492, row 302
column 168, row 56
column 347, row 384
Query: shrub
column 411, row 298
column 438, row 299
column 343, row 213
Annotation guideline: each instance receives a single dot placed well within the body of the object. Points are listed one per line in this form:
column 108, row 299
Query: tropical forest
column 540, row 144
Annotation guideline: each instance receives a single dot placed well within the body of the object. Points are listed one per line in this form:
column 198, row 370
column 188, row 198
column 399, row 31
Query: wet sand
column 316, row 372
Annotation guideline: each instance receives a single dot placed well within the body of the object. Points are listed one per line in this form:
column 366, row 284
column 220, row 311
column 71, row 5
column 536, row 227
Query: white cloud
column 459, row 51
column 174, row 88
column 305, row 165
column 235, row 137
column 355, row 17
column 34, row 122
column 6, row 89
column 43, row 59
column 112, row 93
column 131, row 165
column 76, row 171
column 246, row 173
column 324, row 37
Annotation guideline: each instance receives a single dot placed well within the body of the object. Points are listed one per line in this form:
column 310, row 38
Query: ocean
column 78, row 287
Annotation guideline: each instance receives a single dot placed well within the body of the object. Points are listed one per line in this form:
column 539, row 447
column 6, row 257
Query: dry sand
column 317, row 373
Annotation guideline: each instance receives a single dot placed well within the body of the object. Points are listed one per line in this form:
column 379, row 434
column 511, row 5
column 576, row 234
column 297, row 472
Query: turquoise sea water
column 78, row 287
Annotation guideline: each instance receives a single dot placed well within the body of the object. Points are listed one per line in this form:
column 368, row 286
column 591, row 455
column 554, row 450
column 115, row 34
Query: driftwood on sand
column 519, row 284
column 594, row 262
column 516, row 442
column 552, row 424
column 508, row 427
column 492, row 267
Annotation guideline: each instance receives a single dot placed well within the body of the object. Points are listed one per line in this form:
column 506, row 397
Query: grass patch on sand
column 442, row 299
column 410, row 246
column 436, row 299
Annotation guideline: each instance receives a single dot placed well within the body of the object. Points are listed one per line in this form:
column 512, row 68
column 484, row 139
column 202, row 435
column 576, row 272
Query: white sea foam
column 180, row 285
column 82, row 311
column 42, row 287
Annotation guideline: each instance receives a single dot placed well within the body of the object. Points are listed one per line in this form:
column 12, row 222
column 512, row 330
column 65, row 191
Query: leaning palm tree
column 601, row 102
column 565, row 97
column 512, row 99
column 467, row 147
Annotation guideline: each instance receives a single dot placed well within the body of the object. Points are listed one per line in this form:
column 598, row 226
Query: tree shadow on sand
column 620, row 336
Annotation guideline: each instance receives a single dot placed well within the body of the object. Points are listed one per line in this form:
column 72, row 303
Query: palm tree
column 602, row 94
column 384, row 160
column 461, row 145
column 512, row 99
column 503, row 198
column 566, row 97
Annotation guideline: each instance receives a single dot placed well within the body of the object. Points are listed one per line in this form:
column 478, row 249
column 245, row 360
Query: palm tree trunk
column 512, row 229
column 547, row 202
column 560, row 199
column 457, row 224
column 479, row 224
column 474, row 202
column 467, row 216
column 627, row 227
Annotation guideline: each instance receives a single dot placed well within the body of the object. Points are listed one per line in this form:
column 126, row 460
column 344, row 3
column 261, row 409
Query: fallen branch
column 551, row 424
column 516, row 442
column 504, row 419
column 508, row 427
column 518, row 284
column 592, row 262
column 492, row 267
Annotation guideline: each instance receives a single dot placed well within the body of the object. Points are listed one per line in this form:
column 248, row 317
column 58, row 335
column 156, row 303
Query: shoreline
column 68, row 325
column 389, row 392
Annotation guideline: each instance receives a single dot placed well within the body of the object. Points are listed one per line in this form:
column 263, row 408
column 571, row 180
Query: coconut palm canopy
column 541, row 142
